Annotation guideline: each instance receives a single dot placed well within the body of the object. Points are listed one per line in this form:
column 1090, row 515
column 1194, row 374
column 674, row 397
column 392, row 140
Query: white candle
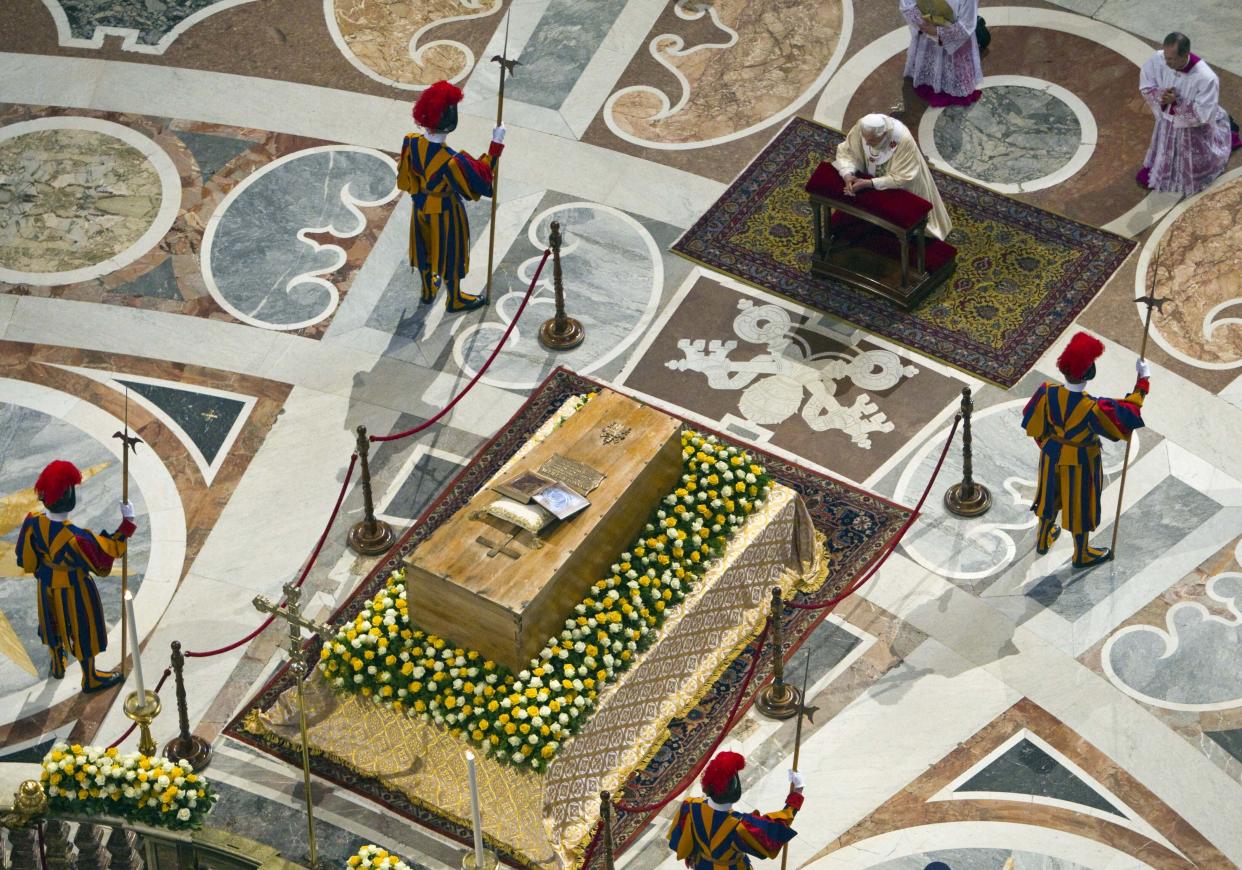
column 475, row 815
column 133, row 645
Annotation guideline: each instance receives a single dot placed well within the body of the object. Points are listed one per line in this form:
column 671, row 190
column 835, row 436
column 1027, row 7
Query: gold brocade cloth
column 550, row 815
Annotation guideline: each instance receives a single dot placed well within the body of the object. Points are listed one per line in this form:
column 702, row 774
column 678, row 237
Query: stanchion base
column 371, row 542
column 778, row 701
column 968, row 503
column 571, row 335
column 195, row 751
column 490, row 861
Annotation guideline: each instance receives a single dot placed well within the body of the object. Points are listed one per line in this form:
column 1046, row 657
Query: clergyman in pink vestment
column 1192, row 140
column 943, row 59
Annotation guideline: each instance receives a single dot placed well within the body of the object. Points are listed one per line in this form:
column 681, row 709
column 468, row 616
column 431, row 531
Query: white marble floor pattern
column 980, row 655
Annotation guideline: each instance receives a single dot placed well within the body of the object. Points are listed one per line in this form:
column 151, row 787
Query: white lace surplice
column 950, row 66
column 1191, row 143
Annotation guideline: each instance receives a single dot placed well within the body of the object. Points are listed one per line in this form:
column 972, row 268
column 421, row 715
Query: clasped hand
column 1168, row 97
column 854, row 185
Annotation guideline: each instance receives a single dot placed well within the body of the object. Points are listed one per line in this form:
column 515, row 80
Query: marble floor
column 200, row 234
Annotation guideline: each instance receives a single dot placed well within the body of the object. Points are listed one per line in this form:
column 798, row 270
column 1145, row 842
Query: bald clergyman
column 880, row 152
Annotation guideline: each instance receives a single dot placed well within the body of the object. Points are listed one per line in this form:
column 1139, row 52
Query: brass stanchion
column 186, row 746
column 561, row 332
column 605, row 817
column 968, row 498
column 778, row 699
column 288, row 611
column 369, row 536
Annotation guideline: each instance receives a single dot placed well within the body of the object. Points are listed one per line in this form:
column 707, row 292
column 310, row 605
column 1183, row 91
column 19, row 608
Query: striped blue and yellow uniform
column 439, row 179
column 62, row 557
column 1068, row 426
column 708, row 839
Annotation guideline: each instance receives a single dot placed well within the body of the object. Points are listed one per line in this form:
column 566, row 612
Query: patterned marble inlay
column 1011, row 135
column 760, row 59
column 1027, row 769
column 207, row 419
column 387, row 40
column 259, row 263
column 149, row 26
column 70, row 199
column 1200, row 270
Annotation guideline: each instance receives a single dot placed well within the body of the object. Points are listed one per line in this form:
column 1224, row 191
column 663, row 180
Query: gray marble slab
column 564, row 41
column 1026, row 769
column 1198, row 661
column 212, row 152
column 1166, row 514
column 426, row 479
column 153, row 19
column 157, row 283
column 1230, row 741
column 206, row 418
column 259, row 264
column 1011, row 135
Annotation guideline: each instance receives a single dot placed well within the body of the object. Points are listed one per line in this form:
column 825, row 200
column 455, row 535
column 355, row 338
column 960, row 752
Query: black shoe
column 98, row 681
column 471, row 303
column 1094, row 557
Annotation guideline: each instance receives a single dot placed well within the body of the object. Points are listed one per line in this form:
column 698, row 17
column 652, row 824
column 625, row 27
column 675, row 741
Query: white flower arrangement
column 374, row 857
column 89, row 780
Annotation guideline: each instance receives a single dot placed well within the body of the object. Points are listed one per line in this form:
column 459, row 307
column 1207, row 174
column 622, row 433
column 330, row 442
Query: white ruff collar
column 60, row 518
column 438, row 138
column 720, row 808
column 1076, row 388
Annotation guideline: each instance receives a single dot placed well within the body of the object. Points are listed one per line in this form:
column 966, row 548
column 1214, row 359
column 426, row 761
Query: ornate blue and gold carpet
column 1023, row 273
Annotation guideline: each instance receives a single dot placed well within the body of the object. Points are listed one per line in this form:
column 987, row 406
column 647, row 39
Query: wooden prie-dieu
column 876, row 240
column 508, row 604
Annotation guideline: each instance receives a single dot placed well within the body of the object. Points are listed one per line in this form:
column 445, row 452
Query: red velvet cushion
column 898, row 207
column 849, row 230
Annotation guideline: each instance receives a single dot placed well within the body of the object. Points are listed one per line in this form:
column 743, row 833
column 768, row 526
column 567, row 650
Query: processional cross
column 289, row 611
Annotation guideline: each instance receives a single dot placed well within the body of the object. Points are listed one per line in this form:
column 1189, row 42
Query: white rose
column 183, row 814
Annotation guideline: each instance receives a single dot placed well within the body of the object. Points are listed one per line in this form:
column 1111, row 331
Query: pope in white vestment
column 1192, row 140
column 880, row 152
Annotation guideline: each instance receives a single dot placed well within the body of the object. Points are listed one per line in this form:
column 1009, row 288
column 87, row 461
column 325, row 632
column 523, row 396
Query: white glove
column 796, row 781
column 127, row 510
column 498, row 134
column 1143, row 367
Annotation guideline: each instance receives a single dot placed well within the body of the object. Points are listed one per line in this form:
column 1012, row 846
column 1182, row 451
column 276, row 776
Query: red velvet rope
column 440, row 415
column 694, row 772
column 589, row 855
column 130, row 730
column 891, row 545
column 336, row 510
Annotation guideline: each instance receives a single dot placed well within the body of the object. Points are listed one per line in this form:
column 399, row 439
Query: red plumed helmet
column 56, row 480
column 720, row 771
column 433, row 102
column 1079, row 355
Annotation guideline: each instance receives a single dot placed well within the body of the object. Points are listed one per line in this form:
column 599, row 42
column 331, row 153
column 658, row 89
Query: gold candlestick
column 143, row 711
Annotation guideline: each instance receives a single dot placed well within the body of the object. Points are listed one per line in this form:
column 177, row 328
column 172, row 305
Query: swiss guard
column 1067, row 423
column 708, row 834
column 438, row 179
column 63, row 557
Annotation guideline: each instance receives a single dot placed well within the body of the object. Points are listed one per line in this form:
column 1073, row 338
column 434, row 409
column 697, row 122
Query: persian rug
column 856, row 525
column 1023, row 273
